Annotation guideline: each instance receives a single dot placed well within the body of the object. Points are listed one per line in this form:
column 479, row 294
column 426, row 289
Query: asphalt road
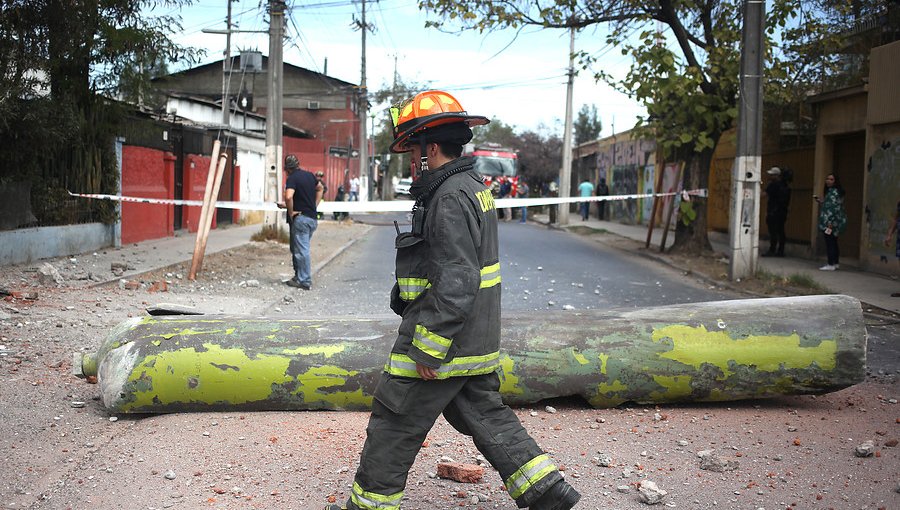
column 548, row 269
column 63, row 450
column 542, row 269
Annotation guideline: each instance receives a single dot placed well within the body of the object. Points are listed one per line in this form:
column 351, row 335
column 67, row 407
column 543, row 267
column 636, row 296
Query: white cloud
column 520, row 79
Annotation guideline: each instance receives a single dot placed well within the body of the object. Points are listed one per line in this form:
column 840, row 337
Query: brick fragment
column 463, row 473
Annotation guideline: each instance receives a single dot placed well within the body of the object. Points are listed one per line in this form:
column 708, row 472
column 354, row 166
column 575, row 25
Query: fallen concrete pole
column 697, row 352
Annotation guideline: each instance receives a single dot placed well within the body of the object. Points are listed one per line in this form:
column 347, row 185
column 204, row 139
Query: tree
column 690, row 87
column 384, row 134
column 60, row 63
column 540, row 155
column 587, row 125
column 496, row 132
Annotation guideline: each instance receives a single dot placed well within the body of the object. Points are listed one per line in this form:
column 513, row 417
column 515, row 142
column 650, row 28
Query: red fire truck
column 496, row 164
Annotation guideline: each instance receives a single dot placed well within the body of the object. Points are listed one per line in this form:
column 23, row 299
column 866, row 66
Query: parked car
column 402, row 187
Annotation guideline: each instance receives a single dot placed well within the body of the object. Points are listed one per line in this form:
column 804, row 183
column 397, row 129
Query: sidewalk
column 870, row 288
column 156, row 254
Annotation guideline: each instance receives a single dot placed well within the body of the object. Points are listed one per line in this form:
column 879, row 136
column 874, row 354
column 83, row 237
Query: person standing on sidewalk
column 447, row 353
column 832, row 219
column 354, row 189
column 602, row 191
column 522, row 192
column 779, row 198
column 585, row 189
column 302, row 194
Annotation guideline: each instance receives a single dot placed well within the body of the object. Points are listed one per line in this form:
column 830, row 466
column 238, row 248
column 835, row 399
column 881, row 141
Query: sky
column 518, row 78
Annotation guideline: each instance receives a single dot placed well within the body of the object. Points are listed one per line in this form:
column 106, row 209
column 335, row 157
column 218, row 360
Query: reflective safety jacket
column 448, row 276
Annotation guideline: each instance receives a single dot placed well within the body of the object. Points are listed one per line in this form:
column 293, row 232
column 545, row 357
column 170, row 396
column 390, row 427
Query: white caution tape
column 384, row 206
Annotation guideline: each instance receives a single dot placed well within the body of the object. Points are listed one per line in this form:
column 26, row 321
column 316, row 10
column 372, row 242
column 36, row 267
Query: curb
column 321, row 265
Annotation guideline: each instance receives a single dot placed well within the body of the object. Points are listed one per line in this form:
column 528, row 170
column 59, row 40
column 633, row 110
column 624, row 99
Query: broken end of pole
column 84, row 365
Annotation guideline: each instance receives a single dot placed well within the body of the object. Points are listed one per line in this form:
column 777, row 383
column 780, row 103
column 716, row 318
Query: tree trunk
column 693, row 237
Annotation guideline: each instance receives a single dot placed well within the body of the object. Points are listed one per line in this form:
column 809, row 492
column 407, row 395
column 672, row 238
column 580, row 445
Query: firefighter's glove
column 397, row 305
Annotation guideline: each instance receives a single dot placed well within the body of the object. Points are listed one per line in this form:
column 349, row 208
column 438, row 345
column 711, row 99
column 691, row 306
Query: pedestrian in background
column 832, row 219
column 602, row 191
column 354, row 189
column 553, row 192
column 302, row 194
column 320, row 178
column 779, row 198
column 523, row 193
column 895, row 229
column 585, row 189
column 504, row 192
column 446, row 357
column 340, row 196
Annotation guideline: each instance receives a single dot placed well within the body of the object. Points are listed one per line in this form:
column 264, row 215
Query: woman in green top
column 832, row 219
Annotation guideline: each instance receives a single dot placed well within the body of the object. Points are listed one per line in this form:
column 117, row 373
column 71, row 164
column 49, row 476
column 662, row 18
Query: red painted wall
column 147, row 173
column 196, row 169
column 313, row 155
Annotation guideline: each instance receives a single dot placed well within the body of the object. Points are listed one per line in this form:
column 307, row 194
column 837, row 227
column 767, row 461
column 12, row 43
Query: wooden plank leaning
column 204, row 210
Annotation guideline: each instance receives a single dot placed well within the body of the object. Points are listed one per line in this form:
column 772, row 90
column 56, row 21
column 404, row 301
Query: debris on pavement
column 463, row 473
column 650, row 493
column 709, row 461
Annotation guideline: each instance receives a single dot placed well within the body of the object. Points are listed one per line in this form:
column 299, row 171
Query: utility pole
column 744, row 224
column 565, row 173
column 226, row 68
column 274, row 114
column 363, row 113
column 226, row 62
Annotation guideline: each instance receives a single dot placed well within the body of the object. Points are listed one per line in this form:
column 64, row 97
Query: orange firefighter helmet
column 415, row 117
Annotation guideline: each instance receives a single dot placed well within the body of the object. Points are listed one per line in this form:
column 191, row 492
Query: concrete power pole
column 565, row 173
column 364, row 167
column 226, row 68
column 226, row 62
column 274, row 114
column 744, row 224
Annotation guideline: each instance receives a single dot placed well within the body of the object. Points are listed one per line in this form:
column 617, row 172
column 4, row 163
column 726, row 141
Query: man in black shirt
column 302, row 195
column 779, row 198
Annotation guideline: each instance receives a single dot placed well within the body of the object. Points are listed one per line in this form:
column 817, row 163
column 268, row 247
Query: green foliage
column 587, row 124
column 540, row 155
column 496, row 132
column 59, row 62
column 688, row 214
column 685, row 58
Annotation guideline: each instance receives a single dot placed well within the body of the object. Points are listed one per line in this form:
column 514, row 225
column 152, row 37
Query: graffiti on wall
column 882, row 197
column 625, row 182
column 649, row 185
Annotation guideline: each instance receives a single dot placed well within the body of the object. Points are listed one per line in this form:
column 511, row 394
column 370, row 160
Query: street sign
column 341, row 152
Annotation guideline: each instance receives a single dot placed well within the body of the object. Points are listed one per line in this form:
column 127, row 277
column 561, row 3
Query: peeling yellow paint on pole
column 693, row 352
column 696, row 346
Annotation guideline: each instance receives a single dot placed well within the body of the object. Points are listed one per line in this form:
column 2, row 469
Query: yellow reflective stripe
column 372, row 501
column 490, row 275
column 529, row 474
column 411, row 288
column 402, row 365
column 430, row 343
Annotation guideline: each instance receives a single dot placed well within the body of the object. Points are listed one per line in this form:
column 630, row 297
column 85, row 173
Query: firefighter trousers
column 405, row 409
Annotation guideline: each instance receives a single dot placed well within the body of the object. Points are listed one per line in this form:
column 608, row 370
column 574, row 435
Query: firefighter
column 446, row 356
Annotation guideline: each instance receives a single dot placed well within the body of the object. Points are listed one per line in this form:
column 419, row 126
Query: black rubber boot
column 560, row 497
